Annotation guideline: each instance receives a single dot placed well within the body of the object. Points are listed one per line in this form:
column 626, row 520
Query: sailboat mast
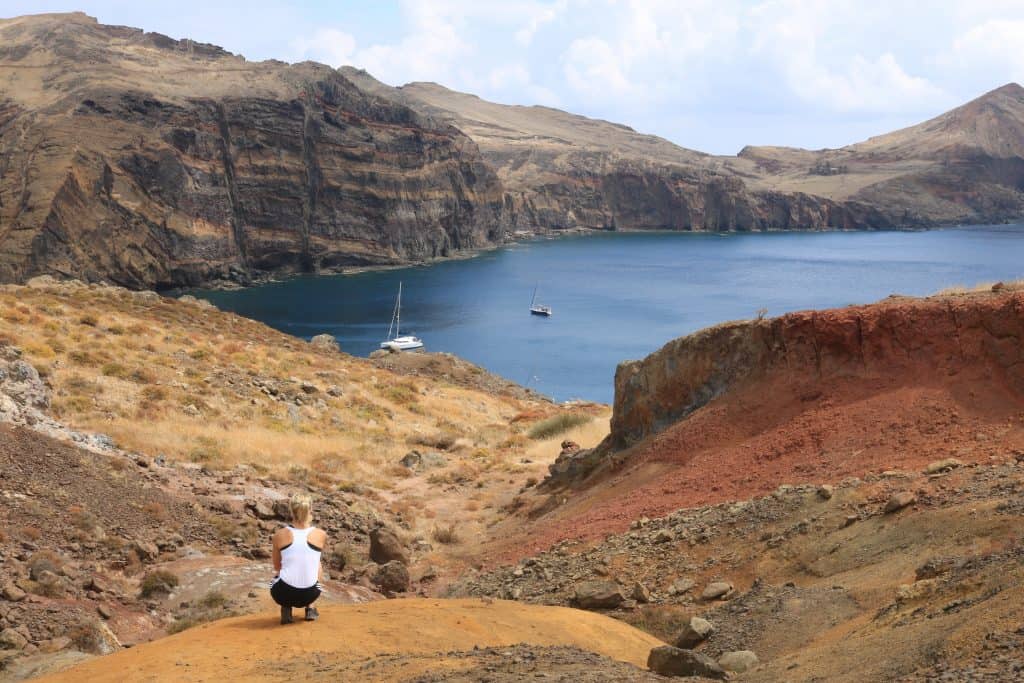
column 398, row 312
column 534, row 299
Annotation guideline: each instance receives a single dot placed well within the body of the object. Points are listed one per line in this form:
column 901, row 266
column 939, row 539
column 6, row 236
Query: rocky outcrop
column 151, row 162
column 897, row 340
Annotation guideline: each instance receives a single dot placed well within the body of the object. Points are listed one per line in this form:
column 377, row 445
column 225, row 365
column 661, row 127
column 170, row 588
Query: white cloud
column 788, row 33
column 327, row 45
column 992, row 46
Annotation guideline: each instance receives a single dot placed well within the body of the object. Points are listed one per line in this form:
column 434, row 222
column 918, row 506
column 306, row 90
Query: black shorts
column 289, row 596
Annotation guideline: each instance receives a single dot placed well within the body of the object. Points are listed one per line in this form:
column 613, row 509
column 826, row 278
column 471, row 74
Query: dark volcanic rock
column 672, row 661
column 233, row 169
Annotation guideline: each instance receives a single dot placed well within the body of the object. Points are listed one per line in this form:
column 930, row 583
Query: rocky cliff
column 899, row 341
column 563, row 171
column 151, row 162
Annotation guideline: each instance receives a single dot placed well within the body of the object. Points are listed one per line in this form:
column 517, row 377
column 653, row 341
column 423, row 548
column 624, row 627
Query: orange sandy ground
column 258, row 648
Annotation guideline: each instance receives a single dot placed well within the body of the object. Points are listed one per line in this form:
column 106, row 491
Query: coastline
column 525, row 237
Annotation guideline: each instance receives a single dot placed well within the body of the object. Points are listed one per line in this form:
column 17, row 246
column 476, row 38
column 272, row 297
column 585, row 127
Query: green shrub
column 158, row 582
column 558, row 424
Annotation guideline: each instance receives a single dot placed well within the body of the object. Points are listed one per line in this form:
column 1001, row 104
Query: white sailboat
column 537, row 309
column 399, row 342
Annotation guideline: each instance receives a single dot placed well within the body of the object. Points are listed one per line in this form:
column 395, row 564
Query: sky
column 712, row 75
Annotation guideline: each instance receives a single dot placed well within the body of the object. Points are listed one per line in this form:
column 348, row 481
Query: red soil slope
column 811, row 397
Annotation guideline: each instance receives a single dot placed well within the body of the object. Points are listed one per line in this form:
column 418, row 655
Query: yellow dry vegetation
column 183, row 380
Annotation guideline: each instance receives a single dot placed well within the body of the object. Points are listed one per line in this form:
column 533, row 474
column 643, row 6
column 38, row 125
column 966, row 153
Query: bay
column 619, row 296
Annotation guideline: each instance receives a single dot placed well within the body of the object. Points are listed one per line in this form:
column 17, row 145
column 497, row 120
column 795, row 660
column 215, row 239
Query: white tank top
column 300, row 562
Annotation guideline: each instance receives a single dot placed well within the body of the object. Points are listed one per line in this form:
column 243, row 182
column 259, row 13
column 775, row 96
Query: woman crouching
column 297, row 550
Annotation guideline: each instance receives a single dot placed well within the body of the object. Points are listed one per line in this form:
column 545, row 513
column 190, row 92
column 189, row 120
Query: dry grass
column 220, row 391
column 557, row 425
column 1007, row 285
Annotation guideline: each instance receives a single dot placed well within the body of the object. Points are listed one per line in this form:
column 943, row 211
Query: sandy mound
column 375, row 641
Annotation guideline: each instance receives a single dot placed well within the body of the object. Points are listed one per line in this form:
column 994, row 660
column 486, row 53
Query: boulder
column 719, row 590
column 598, row 595
column 940, row 466
column 825, row 492
column 664, row 536
column 262, row 509
column 738, row 661
column 899, row 501
column 681, row 585
column 55, row 645
column 13, row 593
column 12, row 640
column 146, row 550
column 415, row 460
column 695, row 631
column 385, row 546
column 672, row 661
column 282, row 510
column 326, row 343
column 640, row 593
column 392, row 577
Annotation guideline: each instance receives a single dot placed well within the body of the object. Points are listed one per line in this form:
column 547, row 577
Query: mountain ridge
column 147, row 161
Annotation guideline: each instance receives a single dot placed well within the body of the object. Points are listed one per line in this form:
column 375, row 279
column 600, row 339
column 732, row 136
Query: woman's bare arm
column 278, row 541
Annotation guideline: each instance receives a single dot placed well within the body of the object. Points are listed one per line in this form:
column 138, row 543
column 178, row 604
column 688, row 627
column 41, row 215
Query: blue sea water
column 619, row 296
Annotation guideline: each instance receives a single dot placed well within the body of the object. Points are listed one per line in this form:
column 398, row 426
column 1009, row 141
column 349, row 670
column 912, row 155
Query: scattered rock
column 569, row 447
column 681, row 585
column 695, row 631
column 54, row 645
column 825, row 492
column 13, row 593
column 640, row 593
column 597, row 595
column 262, row 509
column 392, row 577
column 415, row 460
column 664, row 536
column 738, row 661
column 146, row 550
column 12, row 640
column 942, row 466
column 104, row 611
column 899, row 501
column 326, row 343
column 386, row 547
column 671, row 661
column 719, row 590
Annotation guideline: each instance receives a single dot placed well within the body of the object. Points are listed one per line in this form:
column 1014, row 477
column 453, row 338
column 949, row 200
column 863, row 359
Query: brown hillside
column 735, row 411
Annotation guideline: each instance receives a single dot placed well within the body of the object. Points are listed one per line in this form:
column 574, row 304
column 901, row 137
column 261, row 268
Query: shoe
column 286, row 615
column 311, row 614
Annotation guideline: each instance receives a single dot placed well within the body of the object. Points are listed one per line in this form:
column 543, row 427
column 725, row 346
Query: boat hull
column 402, row 344
column 546, row 312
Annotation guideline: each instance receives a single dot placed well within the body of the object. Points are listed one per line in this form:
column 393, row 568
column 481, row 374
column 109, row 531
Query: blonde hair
column 301, row 506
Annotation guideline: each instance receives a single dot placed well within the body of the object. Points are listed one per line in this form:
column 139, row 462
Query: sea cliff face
column 897, row 341
column 152, row 183
column 625, row 197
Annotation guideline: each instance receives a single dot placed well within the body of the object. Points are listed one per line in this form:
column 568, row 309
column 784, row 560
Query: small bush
column 558, row 424
column 446, row 535
column 213, row 600
column 206, row 451
column 158, row 582
column 114, row 370
column 89, row 320
column 442, row 441
column 143, row 376
column 155, row 510
column 153, row 393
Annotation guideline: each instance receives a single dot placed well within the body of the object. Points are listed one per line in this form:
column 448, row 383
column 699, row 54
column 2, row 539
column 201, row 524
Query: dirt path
column 362, row 637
